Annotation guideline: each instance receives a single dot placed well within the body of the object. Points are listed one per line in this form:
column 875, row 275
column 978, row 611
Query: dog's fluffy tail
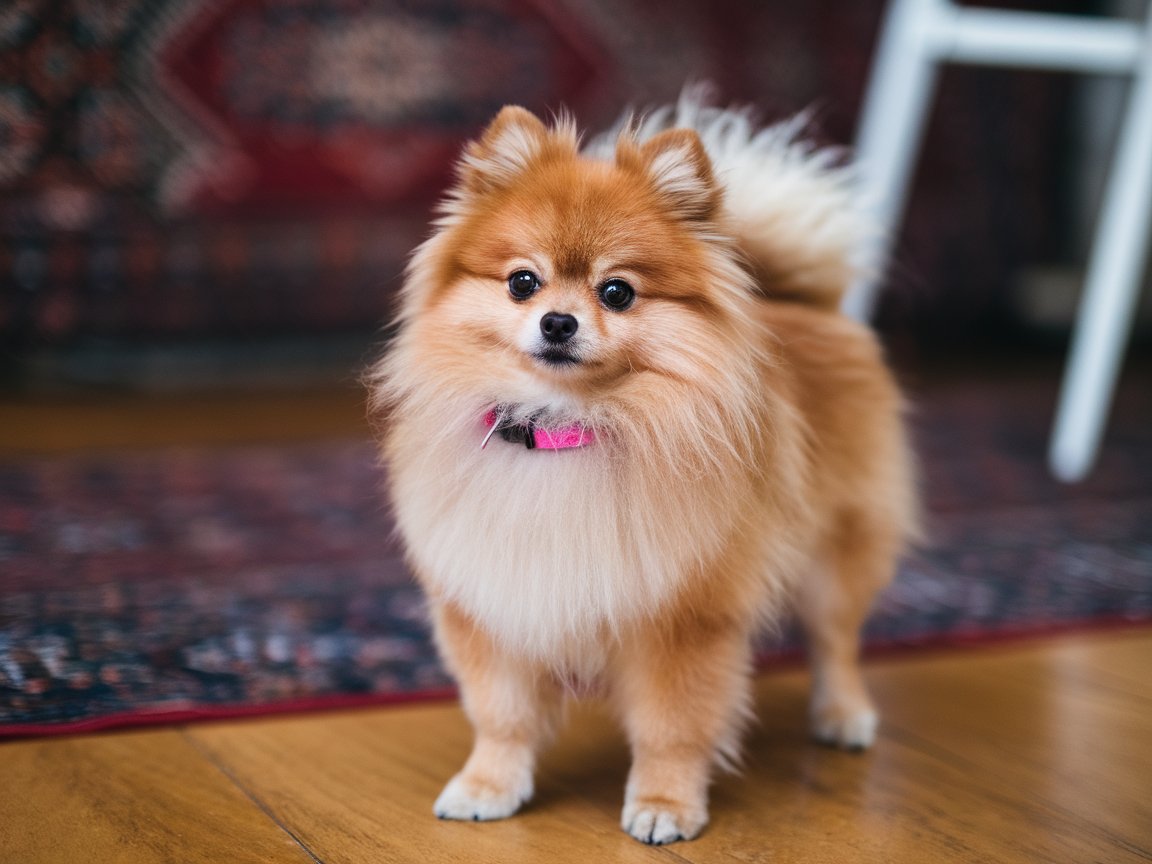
column 790, row 204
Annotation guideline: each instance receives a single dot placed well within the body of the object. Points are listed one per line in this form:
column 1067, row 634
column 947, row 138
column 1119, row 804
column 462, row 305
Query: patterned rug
column 218, row 168
column 178, row 584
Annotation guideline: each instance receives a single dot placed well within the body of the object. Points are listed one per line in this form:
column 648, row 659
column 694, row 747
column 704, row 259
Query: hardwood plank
column 904, row 802
column 359, row 787
column 992, row 755
column 803, row 803
column 1125, row 664
column 133, row 798
column 48, row 425
column 1044, row 727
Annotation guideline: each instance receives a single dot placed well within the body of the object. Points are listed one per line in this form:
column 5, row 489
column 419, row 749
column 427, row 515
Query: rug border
column 963, row 639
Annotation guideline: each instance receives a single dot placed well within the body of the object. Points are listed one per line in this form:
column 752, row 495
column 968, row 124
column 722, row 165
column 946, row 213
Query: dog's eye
column 523, row 284
column 617, row 294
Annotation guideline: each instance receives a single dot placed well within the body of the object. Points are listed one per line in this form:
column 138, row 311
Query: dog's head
column 561, row 276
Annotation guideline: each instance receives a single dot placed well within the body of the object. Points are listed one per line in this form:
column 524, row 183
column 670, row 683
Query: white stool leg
column 892, row 123
column 1119, row 252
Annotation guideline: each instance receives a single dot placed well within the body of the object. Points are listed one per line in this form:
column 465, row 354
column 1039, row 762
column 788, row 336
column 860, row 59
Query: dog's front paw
column 478, row 799
column 850, row 725
column 657, row 821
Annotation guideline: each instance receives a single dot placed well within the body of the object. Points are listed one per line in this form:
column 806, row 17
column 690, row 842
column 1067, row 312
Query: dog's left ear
column 509, row 145
column 679, row 168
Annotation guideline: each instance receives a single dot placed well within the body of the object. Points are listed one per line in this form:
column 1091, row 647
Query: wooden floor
column 53, row 424
column 1035, row 752
column 1039, row 752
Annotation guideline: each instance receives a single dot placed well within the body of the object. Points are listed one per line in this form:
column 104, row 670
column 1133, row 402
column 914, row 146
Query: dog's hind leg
column 832, row 601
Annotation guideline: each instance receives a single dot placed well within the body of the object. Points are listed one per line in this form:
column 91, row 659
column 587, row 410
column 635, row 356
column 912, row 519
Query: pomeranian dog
column 626, row 426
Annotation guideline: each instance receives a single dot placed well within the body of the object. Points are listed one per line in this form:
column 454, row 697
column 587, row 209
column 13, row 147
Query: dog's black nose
column 558, row 328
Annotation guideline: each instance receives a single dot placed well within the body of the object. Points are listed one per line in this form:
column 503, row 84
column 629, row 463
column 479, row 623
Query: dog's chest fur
column 551, row 552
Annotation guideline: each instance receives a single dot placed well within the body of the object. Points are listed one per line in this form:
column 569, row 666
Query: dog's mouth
column 557, row 357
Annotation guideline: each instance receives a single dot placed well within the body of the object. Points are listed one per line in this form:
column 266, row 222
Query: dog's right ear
column 504, row 150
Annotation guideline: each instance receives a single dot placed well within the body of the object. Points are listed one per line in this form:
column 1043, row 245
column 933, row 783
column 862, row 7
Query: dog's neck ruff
column 536, row 437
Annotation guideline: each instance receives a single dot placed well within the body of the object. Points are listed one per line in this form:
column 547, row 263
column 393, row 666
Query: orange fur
column 749, row 454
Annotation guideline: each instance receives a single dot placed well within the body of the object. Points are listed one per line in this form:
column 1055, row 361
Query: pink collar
column 537, row 437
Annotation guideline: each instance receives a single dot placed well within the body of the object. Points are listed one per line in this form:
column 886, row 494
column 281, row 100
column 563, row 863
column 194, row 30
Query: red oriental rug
column 179, row 584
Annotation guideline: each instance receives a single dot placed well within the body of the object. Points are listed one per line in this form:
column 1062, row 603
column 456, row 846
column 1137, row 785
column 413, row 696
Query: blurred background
column 223, row 192
column 205, row 210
